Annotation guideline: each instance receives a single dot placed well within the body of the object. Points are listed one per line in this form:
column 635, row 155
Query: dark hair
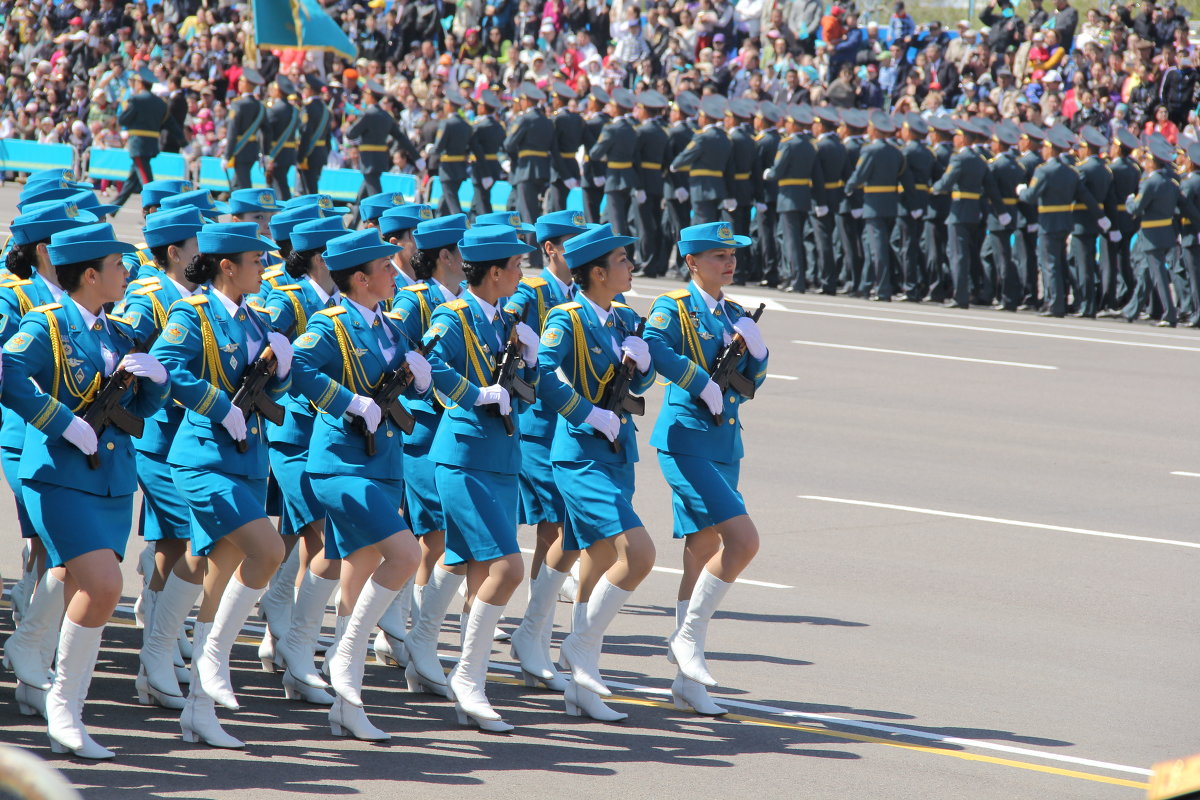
column 205, row 266
column 22, row 259
column 69, row 275
column 476, row 271
column 285, row 248
column 424, row 262
column 341, row 278
column 298, row 262
column 582, row 275
column 161, row 256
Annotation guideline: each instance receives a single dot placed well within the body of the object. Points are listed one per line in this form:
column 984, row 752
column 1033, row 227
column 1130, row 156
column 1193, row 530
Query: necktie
column 380, row 336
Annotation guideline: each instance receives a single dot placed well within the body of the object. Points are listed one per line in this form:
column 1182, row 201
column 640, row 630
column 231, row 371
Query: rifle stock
column 725, row 373
column 106, row 409
column 506, row 376
column 617, row 398
column 251, row 397
column 387, row 396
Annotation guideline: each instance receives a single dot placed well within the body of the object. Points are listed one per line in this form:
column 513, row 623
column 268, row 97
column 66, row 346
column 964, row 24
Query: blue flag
column 301, row 24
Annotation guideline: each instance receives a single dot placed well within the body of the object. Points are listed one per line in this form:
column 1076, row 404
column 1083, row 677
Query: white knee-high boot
column 213, row 663
column 145, row 568
column 530, row 644
column 687, row 645
column 199, row 722
column 78, row 648
column 468, row 679
column 431, row 602
column 170, row 608
column 580, row 701
column 686, row 693
column 581, row 650
column 298, row 648
column 393, row 628
column 276, row 602
column 24, row 652
column 349, row 661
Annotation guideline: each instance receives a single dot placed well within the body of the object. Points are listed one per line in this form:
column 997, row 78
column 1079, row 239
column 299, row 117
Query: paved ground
column 975, row 578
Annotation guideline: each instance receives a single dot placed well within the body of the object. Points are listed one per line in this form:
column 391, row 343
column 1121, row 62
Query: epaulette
column 272, row 272
column 457, row 305
column 288, row 287
column 196, row 300
column 122, row 320
column 678, row 294
column 47, row 307
column 619, row 304
column 735, row 304
column 332, row 312
column 146, row 291
column 534, row 282
column 16, row 282
column 147, row 281
column 258, row 308
column 415, row 287
column 570, row 305
column 394, row 315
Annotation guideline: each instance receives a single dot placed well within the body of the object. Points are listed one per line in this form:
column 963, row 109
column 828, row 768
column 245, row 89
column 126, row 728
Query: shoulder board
column 48, row 307
column 146, row 291
column 394, row 315
column 332, row 312
column 735, row 304
column 273, row 272
column 17, row 282
column 119, row 318
column 147, row 281
column 288, row 287
column 619, row 305
column 416, row 287
column 142, row 246
column 678, row 294
column 534, row 282
column 258, row 308
column 196, row 300
column 456, row 305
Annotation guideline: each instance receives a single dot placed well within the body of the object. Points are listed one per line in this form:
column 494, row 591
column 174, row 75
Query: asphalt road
column 975, row 581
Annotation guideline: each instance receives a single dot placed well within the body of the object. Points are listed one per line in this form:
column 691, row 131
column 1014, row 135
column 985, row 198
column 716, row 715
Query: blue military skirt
column 72, row 523
column 483, row 524
column 598, row 499
column 10, row 460
column 164, row 514
column 422, row 506
column 360, row 511
column 539, row 499
column 704, row 493
column 299, row 506
column 220, row 503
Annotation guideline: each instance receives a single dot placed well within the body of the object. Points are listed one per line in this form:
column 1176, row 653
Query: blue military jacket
column 54, row 366
column 17, row 297
column 341, row 356
column 291, row 306
column 146, row 306
column 206, row 352
column 589, row 355
column 413, row 308
column 684, row 338
column 539, row 294
column 464, row 360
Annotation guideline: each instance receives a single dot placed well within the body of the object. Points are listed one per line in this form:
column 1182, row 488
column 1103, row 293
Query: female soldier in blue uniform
column 176, row 577
column 590, row 340
column 291, row 307
column 210, row 341
column 477, row 464
column 439, row 271
column 396, row 226
column 699, row 457
column 56, row 364
column 29, row 652
column 541, row 502
column 344, row 355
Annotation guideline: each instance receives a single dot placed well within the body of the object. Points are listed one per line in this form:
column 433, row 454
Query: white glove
column 1129, row 198
column 639, row 196
column 235, row 423
column 729, row 205
column 711, row 395
column 144, row 365
column 1104, row 223
column 856, row 213
column 681, row 194
column 506, row 165
column 529, row 343
column 1197, row 239
column 80, row 434
column 605, row 422
column 1032, row 228
column 635, row 347
column 1114, row 236
column 917, row 213
column 1021, row 187
column 497, row 395
column 368, row 409
column 821, row 211
column 572, row 183
column 769, row 174
column 282, row 349
column 420, row 164
column 486, row 183
column 421, row 371
column 599, row 181
column 1004, row 219
column 748, row 328
column 761, row 208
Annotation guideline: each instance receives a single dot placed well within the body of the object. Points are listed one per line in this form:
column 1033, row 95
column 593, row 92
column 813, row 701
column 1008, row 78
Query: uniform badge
column 397, row 199
column 437, row 329
column 705, row 335
column 551, row 337
column 266, row 198
column 175, row 333
column 577, row 219
column 401, row 314
column 725, row 233
column 308, row 340
column 514, row 220
column 233, row 362
column 134, row 317
column 79, row 376
column 596, row 349
column 360, row 351
column 18, row 343
column 71, row 210
column 274, row 312
column 426, row 213
column 659, row 319
column 324, row 201
column 74, row 362
column 229, row 348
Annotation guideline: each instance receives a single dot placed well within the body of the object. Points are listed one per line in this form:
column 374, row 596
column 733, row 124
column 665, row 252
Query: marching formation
column 400, row 397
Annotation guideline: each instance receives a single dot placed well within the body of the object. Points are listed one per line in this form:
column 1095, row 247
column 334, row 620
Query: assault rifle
column 617, row 398
column 106, row 408
column 506, row 376
column 725, row 373
column 251, row 395
column 387, row 396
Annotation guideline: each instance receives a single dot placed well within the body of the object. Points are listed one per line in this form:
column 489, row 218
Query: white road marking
column 1001, row 521
column 924, row 355
column 782, row 377
column 751, row 302
column 1187, row 474
column 675, row 571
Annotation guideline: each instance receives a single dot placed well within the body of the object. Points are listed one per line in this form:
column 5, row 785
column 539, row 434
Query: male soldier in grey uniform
column 1089, row 226
column 616, row 148
column 313, row 151
column 765, row 224
column 593, row 171
column 144, row 116
column 918, row 160
column 1004, row 176
column 1116, row 277
column 744, row 174
column 963, row 181
column 283, row 126
column 568, row 136
column 450, row 149
column 678, row 212
column 648, row 159
column 370, row 132
column 705, row 160
column 1025, row 250
column 487, row 137
column 247, row 118
column 936, row 235
column 801, row 184
column 831, row 155
column 880, row 176
column 849, row 213
column 528, row 144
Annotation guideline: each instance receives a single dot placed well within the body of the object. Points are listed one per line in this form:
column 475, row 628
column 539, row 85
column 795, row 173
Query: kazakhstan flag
column 301, row 24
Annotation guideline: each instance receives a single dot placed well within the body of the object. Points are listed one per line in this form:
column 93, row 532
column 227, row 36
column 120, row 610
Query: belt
column 1056, row 209
column 651, row 165
column 1121, row 207
column 286, row 145
column 707, row 173
column 964, row 195
column 452, row 159
column 1185, row 220
column 880, row 189
column 148, row 134
column 491, row 157
column 620, row 165
column 567, row 155
column 835, row 185
column 322, row 143
column 796, row 182
column 921, row 187
column 1010, row 201
column 373, row 148
column 742, row 176
column 1157, row 223
column 533, row 154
